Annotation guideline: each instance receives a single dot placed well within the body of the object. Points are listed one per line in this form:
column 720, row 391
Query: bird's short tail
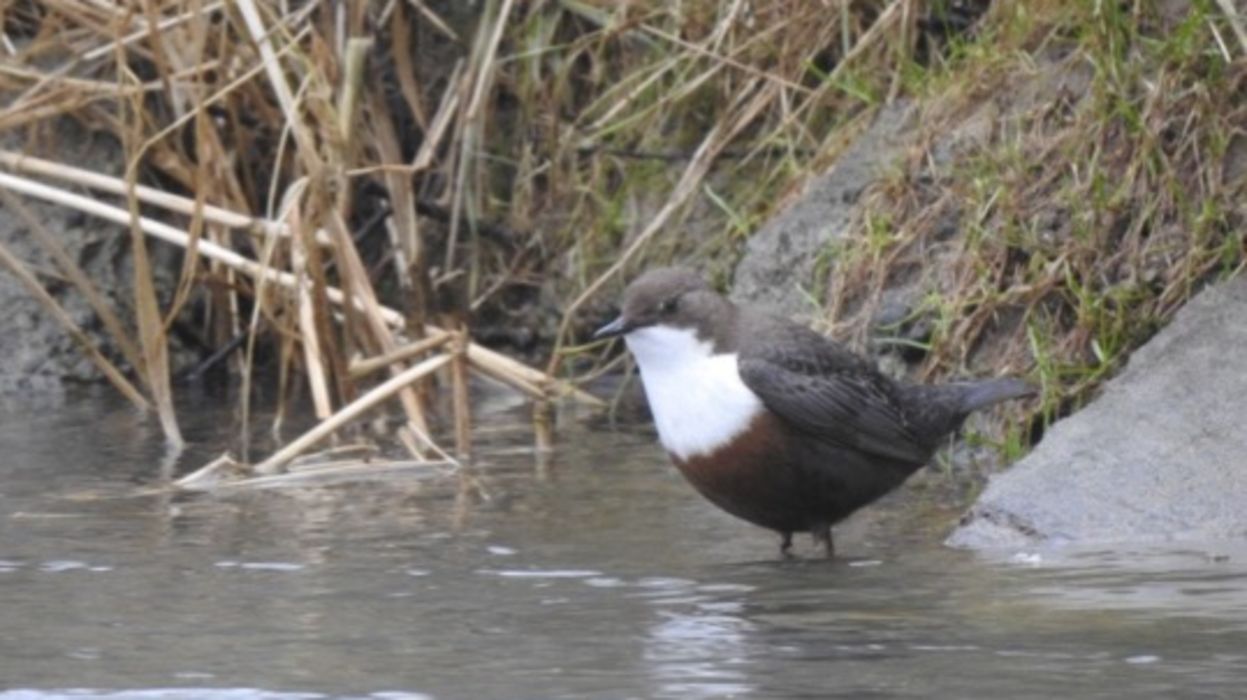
column 935, row 410
column 989, row 392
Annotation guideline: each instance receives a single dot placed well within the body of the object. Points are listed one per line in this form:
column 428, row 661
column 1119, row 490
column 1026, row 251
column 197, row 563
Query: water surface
column 596, row 574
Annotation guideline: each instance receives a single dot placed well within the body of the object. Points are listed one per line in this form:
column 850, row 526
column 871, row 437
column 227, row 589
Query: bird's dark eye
column 668, row 306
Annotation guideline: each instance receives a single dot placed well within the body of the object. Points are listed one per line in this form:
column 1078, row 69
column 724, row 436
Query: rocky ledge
column 1160, row 455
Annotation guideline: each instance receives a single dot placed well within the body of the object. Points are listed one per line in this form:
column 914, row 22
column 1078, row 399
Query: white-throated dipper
column 773, row 422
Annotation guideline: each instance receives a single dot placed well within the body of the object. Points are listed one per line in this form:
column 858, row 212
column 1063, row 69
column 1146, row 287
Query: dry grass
column 243, row 109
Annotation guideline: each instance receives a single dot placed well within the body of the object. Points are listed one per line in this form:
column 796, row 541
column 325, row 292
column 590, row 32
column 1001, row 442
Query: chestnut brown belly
column 779, row 479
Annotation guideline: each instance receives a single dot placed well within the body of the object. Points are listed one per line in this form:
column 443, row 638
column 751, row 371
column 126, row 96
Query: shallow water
column 598, row 575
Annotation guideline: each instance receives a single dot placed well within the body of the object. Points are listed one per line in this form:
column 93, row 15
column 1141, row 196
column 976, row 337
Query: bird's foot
column 785, row 546
column 822, row 535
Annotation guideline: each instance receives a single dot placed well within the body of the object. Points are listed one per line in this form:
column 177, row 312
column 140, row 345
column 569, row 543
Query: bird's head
column 667, row 307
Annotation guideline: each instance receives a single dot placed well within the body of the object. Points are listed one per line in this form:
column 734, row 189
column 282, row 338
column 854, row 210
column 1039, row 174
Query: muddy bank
column 37, row 355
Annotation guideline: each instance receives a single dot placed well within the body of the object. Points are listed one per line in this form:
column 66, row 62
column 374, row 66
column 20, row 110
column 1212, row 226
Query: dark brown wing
column 821, row 388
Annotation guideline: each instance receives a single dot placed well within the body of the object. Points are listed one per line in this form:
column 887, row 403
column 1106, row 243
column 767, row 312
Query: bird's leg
column 785, row 546
column 822, row 535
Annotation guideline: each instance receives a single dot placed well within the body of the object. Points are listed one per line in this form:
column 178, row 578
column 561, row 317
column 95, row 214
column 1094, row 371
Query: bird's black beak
column 615, row 328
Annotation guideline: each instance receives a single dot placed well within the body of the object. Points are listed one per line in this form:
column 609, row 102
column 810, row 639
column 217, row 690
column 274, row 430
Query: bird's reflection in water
column 698, row 646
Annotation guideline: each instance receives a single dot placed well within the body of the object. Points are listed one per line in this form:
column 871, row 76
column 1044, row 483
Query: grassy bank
column 1079, row 174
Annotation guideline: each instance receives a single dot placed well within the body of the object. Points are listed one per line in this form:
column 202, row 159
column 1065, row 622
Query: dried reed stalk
column 309, row 329
column 366, row 366
column 459, row 394
column 319, row 476
column 21, row 163
column 153, row 340
column 376, row 395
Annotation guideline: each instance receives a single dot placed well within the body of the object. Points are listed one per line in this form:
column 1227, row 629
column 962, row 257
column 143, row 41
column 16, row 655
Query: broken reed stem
column 153, row 334
column 489, row 366
column 351, row 411
column 309, row 333
column 357, row 49
column 446, row 112
column 459, row 394
column 366, row 366
column 309, row 476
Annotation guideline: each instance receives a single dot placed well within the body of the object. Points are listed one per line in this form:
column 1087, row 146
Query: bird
column 773, row 422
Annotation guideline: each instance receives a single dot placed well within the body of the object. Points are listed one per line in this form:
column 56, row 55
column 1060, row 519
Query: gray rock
column 1161, row 455
column 780, row 260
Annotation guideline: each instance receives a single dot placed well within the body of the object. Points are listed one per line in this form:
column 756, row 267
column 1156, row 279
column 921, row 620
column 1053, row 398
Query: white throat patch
column 697, row 397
